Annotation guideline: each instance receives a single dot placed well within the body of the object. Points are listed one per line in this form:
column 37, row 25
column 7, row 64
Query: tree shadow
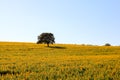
column 57, row 47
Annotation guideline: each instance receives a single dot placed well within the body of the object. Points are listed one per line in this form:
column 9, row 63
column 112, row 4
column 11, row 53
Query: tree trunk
column 47, row 44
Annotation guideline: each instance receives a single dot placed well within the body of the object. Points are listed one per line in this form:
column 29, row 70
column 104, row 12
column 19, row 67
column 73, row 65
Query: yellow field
column 29, row 61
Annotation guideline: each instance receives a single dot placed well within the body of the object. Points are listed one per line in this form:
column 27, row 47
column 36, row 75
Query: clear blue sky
column 71, row 21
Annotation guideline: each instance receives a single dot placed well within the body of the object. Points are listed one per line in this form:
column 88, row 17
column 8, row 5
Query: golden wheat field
column 30, row 61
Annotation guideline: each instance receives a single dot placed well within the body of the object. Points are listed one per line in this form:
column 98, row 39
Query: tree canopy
column 47, row 38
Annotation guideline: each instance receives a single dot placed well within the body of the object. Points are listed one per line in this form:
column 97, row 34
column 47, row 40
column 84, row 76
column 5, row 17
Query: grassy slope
column 72, row 62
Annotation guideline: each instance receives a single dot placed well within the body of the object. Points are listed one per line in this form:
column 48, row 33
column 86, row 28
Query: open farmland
column 29, row 61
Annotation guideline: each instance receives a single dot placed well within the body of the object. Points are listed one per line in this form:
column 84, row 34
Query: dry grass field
column 30, row 61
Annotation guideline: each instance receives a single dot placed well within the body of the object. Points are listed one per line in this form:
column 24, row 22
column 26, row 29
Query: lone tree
column 107, row 44
column 47, row 38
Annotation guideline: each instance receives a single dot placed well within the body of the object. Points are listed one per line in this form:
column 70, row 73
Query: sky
column 93, row 22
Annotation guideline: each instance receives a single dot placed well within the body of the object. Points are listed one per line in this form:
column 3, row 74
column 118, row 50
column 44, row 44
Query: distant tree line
column 48, row 38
